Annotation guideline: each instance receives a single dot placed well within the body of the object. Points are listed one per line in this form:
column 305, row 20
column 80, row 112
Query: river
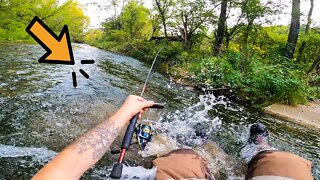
column 41, row 113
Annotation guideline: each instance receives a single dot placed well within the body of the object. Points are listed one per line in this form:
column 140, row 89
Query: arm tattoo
column 99, row 139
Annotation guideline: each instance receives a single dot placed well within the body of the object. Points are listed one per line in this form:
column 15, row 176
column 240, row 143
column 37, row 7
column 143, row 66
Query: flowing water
column 41, row 113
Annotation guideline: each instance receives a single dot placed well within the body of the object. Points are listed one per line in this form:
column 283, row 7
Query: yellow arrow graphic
column 59, row 50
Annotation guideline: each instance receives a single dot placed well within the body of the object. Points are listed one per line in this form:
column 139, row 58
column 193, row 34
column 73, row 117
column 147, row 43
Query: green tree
column 232, row 31
column 135, row 19
column 252, row 10
column 155, row 22
column 163, row 8
column 190, row 17
column 15, row 15
column 71, row 14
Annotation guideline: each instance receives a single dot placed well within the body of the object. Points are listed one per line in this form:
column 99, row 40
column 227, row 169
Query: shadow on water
column 40, row 111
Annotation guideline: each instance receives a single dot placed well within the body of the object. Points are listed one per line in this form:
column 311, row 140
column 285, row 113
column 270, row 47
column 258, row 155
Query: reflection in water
column 40, row 111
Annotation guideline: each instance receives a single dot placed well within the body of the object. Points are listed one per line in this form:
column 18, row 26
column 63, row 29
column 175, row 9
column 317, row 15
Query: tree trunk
column 187, row 44
column 248, row 30
column 294, row 29
column 228, row 37
column 303, row 45
column 221, row 27
column 314, row 65
column 164, row 27
column 185, row 34
column 163, row 18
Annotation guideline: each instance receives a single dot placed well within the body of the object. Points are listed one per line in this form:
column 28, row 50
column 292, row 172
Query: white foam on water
column 40, row 155
column 129, row 173
column 251, row 150
column 178, row 130
column 180, row 125
column 138, row 173
column 161, row 144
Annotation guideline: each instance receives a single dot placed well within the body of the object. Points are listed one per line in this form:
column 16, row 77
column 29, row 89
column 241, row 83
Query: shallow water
column 41, row 112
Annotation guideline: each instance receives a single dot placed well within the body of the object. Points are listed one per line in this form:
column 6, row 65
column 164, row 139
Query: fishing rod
column 126, row 142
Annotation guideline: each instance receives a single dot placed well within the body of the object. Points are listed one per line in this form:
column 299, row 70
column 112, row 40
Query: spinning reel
column 144, row 135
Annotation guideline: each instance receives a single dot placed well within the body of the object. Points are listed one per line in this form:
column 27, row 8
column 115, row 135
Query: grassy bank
column 253, row 78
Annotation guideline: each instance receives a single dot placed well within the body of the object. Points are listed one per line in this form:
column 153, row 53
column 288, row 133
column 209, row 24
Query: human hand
column 135, row 104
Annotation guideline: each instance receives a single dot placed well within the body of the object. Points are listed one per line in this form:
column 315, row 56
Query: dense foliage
column 15, row 15
column 249, row 58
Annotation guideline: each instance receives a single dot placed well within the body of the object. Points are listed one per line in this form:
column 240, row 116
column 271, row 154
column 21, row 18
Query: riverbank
column 258, row 81
column 307, row 115
column 218, row 76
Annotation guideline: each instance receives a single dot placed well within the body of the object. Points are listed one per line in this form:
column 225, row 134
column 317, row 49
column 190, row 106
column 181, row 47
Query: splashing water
column 40, row 155
column 181, row 129
column 138, row 173
column 251, row 150
column 183, row 126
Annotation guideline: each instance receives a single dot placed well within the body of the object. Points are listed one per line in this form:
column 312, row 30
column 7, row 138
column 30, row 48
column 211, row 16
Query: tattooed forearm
column 99, row 139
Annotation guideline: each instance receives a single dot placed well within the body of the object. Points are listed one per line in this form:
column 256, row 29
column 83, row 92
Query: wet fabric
column 181, row 164
column 278, row 165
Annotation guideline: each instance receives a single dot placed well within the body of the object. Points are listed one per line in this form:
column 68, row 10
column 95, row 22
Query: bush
column 258, row 84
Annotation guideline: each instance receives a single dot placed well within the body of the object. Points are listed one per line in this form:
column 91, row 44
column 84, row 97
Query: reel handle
column 115, row 152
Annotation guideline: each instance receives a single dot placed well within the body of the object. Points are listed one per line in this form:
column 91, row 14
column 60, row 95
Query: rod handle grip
column 126, row 142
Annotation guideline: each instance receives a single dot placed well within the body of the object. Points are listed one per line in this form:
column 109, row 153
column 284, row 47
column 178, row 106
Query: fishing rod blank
column 126, row 142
